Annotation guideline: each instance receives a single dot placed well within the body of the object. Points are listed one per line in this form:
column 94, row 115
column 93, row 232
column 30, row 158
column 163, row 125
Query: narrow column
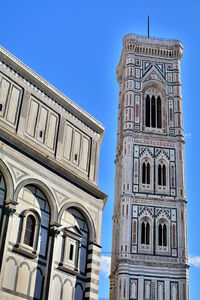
column 53, row 232
column 8, row 212
column 92, row 276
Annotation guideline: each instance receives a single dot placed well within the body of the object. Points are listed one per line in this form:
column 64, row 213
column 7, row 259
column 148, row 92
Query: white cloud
column 188, row 135
column 105, row 265
column 194, row 261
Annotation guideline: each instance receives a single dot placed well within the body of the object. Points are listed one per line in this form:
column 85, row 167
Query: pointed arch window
column 153, row 111
column 146, row 172
column 162, row 174
column 162, row 235
column 145, row 233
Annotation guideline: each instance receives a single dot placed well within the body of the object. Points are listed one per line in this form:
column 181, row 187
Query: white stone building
column 149, row 247
column 50, row 204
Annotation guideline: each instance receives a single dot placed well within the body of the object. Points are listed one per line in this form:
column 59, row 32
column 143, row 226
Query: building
column 149, row 246
column 50, row 204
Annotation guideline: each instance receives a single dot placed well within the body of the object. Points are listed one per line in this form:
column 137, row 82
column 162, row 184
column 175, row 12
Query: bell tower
column 149, row 246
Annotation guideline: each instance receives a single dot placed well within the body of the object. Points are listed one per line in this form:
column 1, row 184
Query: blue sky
column 76, row 46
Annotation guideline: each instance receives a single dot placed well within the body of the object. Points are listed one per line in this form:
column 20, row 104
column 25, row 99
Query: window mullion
column 156, row 113
column 150, row 112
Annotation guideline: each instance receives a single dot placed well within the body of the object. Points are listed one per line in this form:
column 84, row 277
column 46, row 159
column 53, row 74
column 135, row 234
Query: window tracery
column 153, row 109
column 162, row 174
column 163, row 237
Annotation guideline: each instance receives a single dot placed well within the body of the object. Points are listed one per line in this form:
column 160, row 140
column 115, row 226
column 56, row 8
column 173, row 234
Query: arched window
column 162, row 174
column 145, row 233
column 153, row 111
column 159, row 122
column 162, row 234
column 148, row 124
column 29, row 230
column 146, row 172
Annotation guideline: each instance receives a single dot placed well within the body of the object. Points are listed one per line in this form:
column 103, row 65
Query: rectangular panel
column 41, row 128
column 76, row 147
column 13, row 107
column 174, row 291
column 133, row 289
column 68, row 141
column 32, row 118
column 147, row 290
column 134, row 231
column 137, row 108
column 52, row 131
column 160, row 287
column 4, row 90
column 84, row 153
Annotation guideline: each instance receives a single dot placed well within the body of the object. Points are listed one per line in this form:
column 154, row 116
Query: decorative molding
column 51, row 88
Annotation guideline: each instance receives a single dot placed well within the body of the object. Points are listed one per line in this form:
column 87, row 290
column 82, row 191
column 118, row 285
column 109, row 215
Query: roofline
column 50, row 90
column 154, row 40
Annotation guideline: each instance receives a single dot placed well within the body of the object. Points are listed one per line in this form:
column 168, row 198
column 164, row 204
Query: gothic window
column 161, row 174
column 153, row 109
column 145, row 233
column 162, row 234
column 146, row 171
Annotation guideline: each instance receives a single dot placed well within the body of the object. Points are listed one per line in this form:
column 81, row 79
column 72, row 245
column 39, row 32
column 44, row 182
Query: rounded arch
column 24, row 263
column 68, row 280
column 86, row 215
column 8, row 181
column 33, row 212
column 79, row 284
column 47, row 192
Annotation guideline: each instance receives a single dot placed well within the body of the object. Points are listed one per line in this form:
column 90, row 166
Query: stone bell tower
column 149, row 247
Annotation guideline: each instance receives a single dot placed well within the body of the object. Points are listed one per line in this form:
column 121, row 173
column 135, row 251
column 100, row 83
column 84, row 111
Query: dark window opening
column 159, row 174
column 164, row 235
column 143, row 172
column 153, row 112
column 162, row 175
column 147, row 233
column 75, row 157
column 160, row 235
column 159, row 119
column 148, row 173
column 41, row 133
column 143, row 233
column 1, row 106
column 29, row 231
column 71, row 252
column 147, row 111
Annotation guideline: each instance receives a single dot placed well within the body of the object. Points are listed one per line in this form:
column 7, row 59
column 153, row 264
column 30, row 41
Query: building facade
column 149, row 246
column 50, row 204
